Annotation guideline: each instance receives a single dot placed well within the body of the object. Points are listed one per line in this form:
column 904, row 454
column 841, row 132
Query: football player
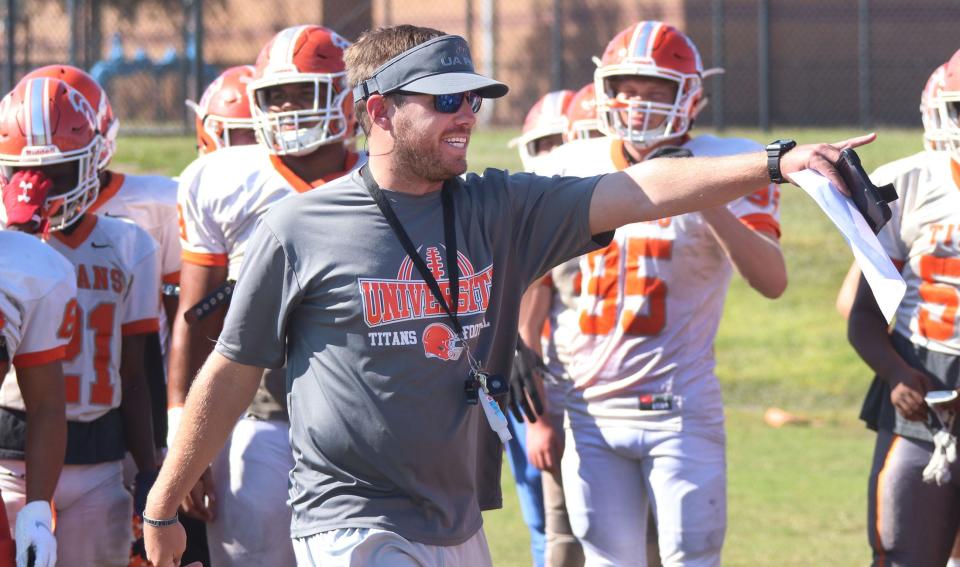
column 920, row 355
column 117, row 278
column 150, row 202
column 934, row 138
column 303, row 117
column 223, row 113
column 37, row 301
column 636, row 324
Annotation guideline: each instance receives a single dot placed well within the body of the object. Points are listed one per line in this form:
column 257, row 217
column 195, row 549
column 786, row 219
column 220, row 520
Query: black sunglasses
column 450, row 103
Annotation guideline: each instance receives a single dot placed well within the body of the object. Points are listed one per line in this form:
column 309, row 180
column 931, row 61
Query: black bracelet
column 160, row 523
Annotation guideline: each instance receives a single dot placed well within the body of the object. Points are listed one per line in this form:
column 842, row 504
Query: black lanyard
column 449, row 235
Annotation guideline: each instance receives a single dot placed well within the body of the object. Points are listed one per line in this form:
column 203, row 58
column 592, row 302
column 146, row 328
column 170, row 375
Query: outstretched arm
column 661, row 188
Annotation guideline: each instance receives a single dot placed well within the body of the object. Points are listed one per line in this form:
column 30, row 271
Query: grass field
column 796, row 495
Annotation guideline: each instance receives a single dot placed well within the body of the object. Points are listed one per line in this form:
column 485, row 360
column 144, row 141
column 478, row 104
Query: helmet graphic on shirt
column 439, row 341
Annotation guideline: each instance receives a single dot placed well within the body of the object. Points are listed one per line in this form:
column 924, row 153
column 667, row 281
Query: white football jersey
column 150, row 201
column 38, row 294
column 650, row 303
column 923, row 236
column 117, row 278
column 222, row 196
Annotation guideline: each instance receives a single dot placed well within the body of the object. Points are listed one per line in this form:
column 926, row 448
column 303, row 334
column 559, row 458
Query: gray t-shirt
column 381, row 432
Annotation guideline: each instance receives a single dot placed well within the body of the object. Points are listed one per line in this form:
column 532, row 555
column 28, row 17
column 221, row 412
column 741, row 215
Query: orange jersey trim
column 172, row 277
column 299, row 184
column 762, row 222
column 107, row 193
column 617, row 155
column 955, row 171
column 79, row 234
column 40, row 358
column 203, row 259
column 140, row 327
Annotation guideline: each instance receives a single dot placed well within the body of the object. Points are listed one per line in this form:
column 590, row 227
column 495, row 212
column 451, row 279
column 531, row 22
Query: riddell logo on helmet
column 34, row 151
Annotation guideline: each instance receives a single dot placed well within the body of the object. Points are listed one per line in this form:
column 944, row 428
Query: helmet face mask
column 299, row 131
column 69, row 149
column 299, row 98
column 657, row 52
column 225, row 132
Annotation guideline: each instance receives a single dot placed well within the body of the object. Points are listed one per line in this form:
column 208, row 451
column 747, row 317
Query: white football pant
column 611, row 475
column 250, row 479
column 93, row 527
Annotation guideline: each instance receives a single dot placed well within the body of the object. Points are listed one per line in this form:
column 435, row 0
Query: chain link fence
column 787, row 62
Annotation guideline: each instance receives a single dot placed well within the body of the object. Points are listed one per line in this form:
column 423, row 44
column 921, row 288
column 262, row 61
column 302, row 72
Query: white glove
column 173, row 423
column 944, row 454
column 35, row 529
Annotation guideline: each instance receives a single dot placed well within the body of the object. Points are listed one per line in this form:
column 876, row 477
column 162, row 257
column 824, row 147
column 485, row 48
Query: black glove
column 142, row 484
column 523, row 385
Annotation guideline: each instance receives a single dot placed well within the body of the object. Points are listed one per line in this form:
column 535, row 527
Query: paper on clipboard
column 884, row 278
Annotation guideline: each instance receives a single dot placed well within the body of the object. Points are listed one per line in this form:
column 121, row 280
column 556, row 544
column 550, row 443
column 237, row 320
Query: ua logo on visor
column 439, row 341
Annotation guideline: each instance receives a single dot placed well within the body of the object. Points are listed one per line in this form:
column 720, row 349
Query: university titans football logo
column 407, row 297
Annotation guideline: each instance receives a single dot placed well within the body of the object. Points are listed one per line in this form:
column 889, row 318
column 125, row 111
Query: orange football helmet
column 649, row 49
column 439, row 341
column 223, row 108
column 107, row 123
column 582, row 115
column 302, row 54
column 547, row 117
column 46, row 122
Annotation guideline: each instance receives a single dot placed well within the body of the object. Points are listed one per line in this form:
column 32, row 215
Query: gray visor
column 440, row 66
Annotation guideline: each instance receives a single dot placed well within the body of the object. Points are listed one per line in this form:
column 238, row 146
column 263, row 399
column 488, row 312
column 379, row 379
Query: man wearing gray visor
column 393, row 294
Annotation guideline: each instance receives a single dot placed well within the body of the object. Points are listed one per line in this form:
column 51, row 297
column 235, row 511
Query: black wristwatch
column 775, row 151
